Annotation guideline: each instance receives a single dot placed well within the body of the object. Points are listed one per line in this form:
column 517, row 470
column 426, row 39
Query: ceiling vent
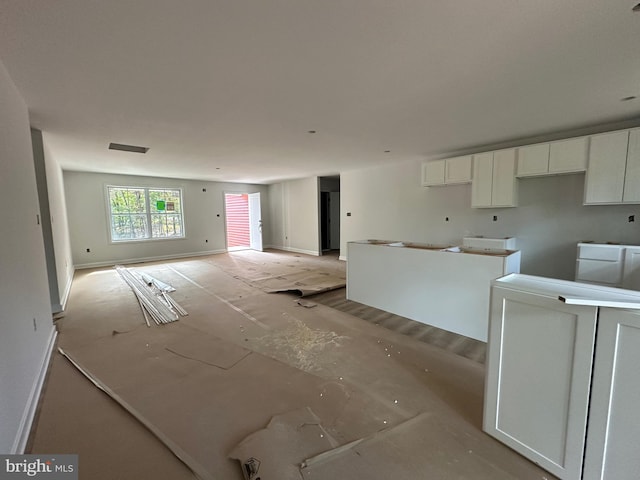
column 128, row 148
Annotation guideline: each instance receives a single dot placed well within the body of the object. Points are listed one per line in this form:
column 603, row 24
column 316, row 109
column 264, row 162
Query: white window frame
column 149, row 231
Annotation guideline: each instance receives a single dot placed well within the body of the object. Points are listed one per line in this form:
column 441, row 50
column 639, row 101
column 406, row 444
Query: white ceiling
column 228, row 89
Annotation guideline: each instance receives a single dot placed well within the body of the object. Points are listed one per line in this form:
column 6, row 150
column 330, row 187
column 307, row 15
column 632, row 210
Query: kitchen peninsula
column 447, row 287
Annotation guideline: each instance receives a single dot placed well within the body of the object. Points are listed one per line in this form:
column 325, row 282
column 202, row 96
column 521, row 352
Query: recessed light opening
column 128, row 148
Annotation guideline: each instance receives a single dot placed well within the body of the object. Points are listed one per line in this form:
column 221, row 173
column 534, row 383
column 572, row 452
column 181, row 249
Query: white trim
column 343, row 258
column 148, row 259
column 296, row 250
column 147, row 203
column 24, row 429
column 67, row 290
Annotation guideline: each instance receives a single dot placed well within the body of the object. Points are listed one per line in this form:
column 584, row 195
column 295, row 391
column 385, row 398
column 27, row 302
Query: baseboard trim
column 67, row 290
column 296, row 250
column 26, row 422
column 147, row 259
column 343, row 258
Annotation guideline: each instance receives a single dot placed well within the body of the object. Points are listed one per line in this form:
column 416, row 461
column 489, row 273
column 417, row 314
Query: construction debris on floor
column 251, row 385
column 153, row 296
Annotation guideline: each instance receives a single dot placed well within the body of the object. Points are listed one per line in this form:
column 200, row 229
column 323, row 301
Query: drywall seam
column 183, row 456
column 26, row 422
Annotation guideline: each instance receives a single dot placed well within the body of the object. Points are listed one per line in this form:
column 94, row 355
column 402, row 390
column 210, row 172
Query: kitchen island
column 428, row 283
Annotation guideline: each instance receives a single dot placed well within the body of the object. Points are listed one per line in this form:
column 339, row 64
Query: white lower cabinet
column 540, row 396
column 631, row 269
column 610, row 265
column 613, row 436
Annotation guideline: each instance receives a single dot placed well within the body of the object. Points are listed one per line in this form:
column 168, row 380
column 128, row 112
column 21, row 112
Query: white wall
column 26, row 328
column 59, row 223
column 296, row 227
column 87, row 212
column 389, row 203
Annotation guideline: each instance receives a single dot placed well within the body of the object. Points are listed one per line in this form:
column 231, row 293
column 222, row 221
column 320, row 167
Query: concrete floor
column 358, row 377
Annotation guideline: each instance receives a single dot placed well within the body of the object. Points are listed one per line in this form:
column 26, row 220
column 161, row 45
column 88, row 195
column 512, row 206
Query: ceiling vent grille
column 128, row 148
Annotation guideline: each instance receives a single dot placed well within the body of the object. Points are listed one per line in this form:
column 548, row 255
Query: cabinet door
column 632, row 172
column 533, row 160
column 503, row 192
column 614, row 418
column 631, row 270
column 539, row 360
column 605, row 172
column 568, row 156
column 433, row 173
column 458, row 170
column 481, row 185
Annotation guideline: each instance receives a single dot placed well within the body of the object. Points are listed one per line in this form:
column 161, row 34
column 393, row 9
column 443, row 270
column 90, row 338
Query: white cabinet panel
column 538, row 377
column 597, row 251
column 564, row 156
column 482, row 180
column 614, row 420
column 433, row 173
column 444, row 289
column 458, row 170
column 503, row 191
column 533, row 160
column 568, row 156
column 449, row 171
column 494, row 181
column 631, row 270
column 632, row 172
column 607, row 164
column 598, row 271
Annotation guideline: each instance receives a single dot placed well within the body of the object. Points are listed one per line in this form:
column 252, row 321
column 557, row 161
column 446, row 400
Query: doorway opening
column 243, row 221
column 329, row 214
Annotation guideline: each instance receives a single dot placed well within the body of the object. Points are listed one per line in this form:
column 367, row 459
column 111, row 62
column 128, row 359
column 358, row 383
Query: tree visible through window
column 140, row 213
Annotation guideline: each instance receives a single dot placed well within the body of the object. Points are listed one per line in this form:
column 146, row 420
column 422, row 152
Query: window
column 141, row 213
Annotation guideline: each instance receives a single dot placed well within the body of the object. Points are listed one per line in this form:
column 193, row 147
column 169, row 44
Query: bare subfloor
column 243, row 356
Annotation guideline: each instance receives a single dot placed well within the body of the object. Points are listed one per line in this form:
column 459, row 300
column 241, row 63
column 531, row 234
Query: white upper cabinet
column 568, row 156
column 613, row 174
column 494, row 180
column 533, row 160
column 631, row 191
column 433, row 173
column 564, row 156
column 458, row 170
column 448, row 171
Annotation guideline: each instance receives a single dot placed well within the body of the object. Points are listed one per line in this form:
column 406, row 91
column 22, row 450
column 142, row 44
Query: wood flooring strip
column 458, row 344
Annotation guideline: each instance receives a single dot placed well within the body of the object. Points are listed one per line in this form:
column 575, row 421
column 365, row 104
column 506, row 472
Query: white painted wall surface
column 89, row 228
column 297, row 226
column 389, row 203
column 59, row 223
column 276, row 215
column 26, row 328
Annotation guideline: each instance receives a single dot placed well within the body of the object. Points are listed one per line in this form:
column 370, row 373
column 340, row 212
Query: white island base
column 445, row 289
